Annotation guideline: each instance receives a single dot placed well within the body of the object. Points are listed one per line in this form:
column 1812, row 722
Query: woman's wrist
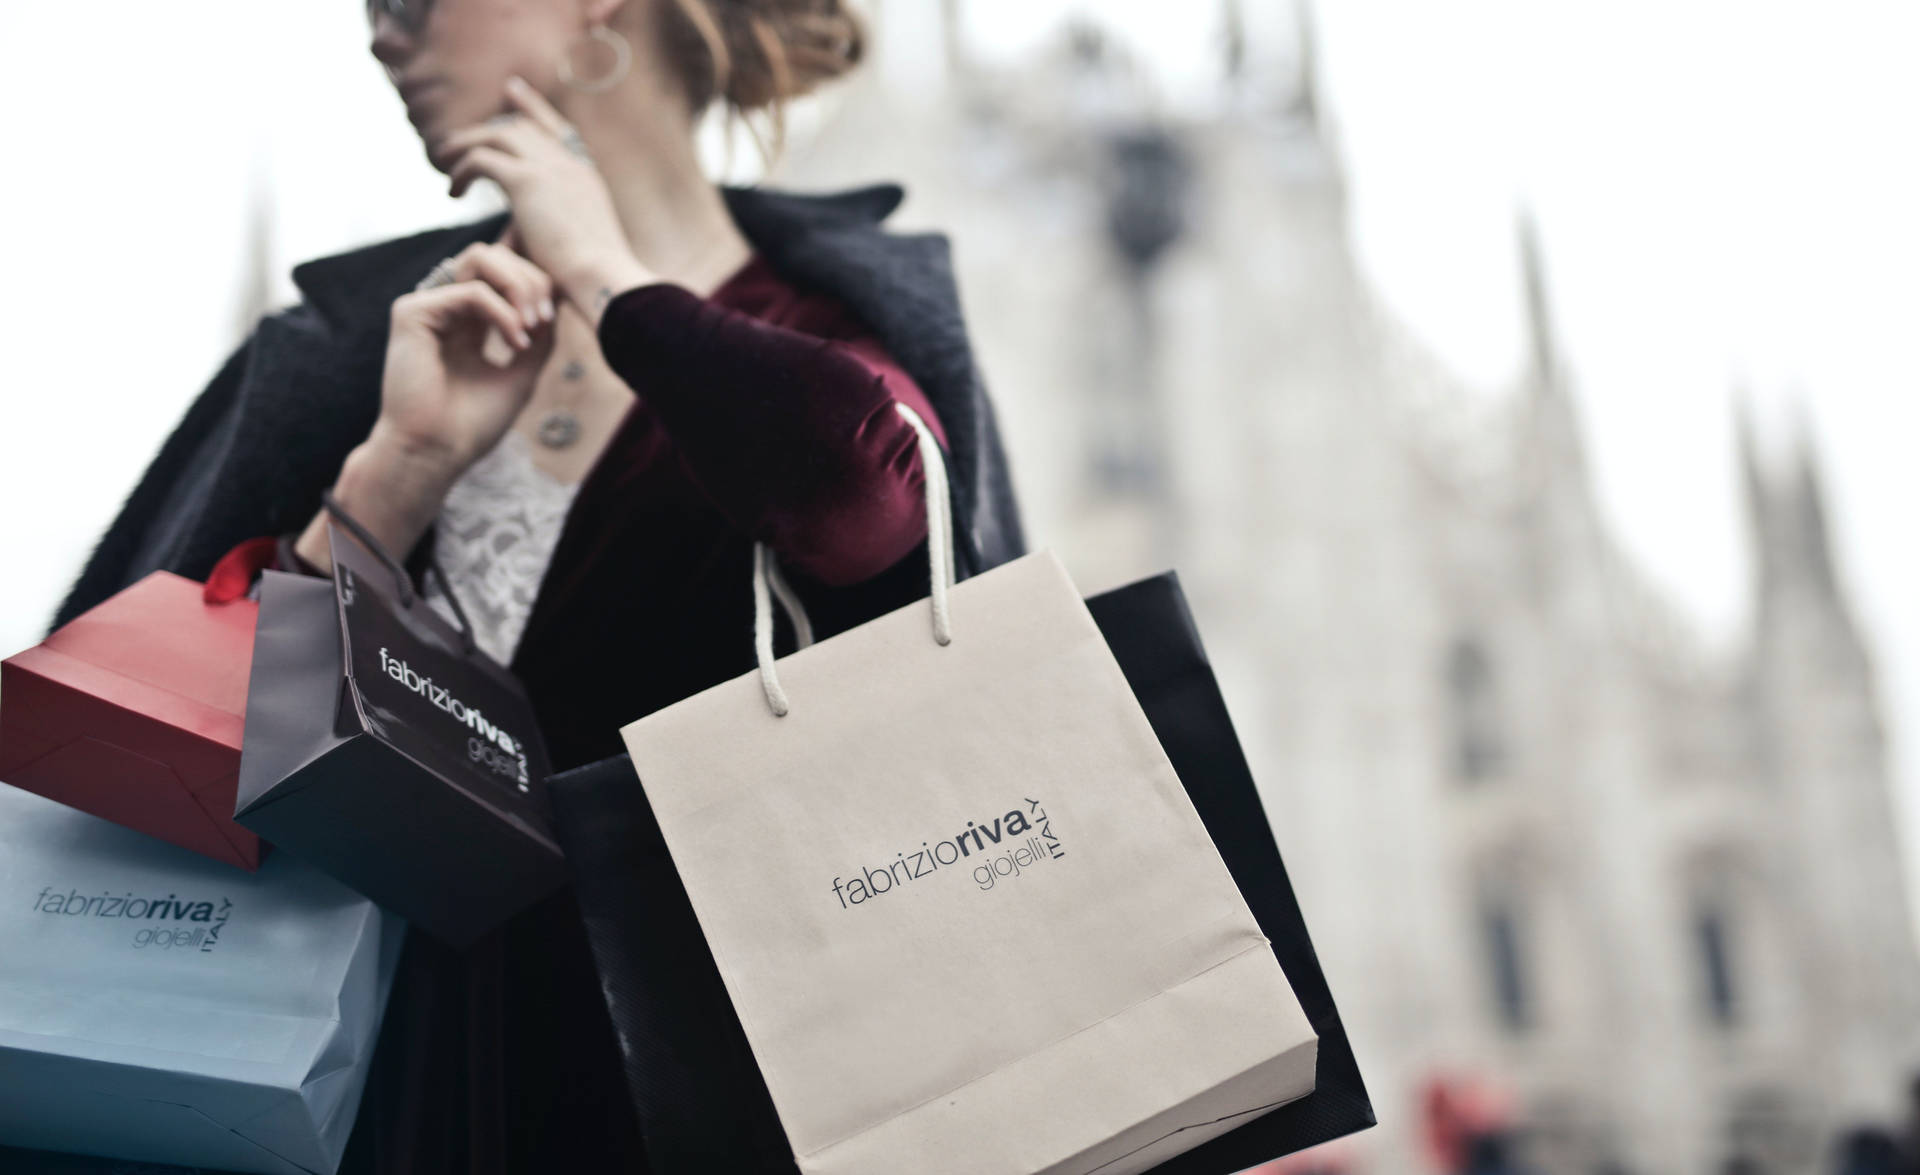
column 392, row 490
column 592, row 285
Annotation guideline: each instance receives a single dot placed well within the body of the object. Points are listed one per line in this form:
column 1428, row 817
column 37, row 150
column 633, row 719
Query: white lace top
column 494, row 539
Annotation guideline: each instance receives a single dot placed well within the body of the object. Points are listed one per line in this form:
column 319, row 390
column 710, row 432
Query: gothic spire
column 1233, row 40
column 1555, row 430
column 1543, row 353
column 1306, row 101
column 1753, row 475
column 1807, row 502
column 1786, row 509
column 953, row 39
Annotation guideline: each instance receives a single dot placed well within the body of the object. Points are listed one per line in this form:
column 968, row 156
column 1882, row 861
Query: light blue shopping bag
column 160, row 1006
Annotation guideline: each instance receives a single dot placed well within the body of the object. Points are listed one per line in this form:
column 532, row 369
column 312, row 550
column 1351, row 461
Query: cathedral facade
column 1548, row 844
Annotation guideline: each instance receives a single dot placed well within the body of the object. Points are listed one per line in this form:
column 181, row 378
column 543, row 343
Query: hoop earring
column 622, row 61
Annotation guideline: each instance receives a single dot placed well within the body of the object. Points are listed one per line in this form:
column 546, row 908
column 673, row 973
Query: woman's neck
column 674, row 217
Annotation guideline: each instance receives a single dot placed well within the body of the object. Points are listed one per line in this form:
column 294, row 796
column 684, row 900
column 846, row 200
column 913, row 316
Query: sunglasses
column 409, row 14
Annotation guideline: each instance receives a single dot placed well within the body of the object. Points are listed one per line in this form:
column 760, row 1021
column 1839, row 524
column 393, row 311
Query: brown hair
column 757, row 55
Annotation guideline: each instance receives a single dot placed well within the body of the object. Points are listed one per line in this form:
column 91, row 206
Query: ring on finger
column 442, row 274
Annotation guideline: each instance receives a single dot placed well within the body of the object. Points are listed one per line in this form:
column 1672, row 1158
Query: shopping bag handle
column 402, row 581
column 768, row 584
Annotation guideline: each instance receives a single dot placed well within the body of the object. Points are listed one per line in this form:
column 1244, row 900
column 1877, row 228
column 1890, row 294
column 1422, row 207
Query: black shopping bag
column 701, row 1100
column 1151, row 632
column 382, row 747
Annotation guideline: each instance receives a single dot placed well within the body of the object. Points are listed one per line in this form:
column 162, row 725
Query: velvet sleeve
column 794, row 438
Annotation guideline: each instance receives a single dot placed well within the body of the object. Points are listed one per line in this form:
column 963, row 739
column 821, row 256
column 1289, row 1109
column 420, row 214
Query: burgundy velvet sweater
column 761, row 412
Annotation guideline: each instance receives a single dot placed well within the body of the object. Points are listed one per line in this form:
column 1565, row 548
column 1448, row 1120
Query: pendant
column 559, row 429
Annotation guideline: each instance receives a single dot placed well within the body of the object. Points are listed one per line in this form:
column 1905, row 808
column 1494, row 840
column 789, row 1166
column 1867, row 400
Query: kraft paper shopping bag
column 701, row 1100
column 960, row 901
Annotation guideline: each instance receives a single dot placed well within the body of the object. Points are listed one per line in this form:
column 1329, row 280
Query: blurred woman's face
column 450, row 59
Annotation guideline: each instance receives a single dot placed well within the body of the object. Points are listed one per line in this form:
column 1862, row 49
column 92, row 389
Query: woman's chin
column 430, row 144
column 433, row 136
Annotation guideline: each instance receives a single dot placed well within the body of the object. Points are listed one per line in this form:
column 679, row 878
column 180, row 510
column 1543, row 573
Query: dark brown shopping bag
column 384, row 748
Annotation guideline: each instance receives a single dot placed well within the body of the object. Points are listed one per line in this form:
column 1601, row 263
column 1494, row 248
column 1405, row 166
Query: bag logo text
column 167, row 914
column 989, row 850
column 494, row 749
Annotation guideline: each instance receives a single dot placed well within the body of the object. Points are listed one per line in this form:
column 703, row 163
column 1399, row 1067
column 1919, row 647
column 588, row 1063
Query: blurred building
column 1545, row 839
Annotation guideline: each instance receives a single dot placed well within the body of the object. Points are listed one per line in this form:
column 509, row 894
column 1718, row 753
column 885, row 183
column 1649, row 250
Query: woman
column 587, row 411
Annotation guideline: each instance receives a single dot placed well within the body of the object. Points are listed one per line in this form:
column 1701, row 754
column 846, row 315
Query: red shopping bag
column 133, row 712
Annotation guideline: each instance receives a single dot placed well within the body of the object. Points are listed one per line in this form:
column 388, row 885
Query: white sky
column 1723, row 189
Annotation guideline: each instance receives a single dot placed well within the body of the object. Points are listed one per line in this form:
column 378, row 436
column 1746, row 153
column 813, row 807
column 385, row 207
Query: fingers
column 484, row 162
column 536, row 107
column 504, row 134
column 535, row 124
column 519, row 280
column 503, row 147
column 444, row 306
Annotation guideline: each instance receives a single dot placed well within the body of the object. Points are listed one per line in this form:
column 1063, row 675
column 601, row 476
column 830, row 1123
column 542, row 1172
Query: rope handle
column 768, row 584
column 401, row 579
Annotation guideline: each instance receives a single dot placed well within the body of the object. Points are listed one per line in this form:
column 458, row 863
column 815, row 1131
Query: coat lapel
column 252, row 457
column 311, row 391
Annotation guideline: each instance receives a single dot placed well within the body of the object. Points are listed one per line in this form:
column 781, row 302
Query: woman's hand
column 462, row 359
column 563, row 214
column 452, row 388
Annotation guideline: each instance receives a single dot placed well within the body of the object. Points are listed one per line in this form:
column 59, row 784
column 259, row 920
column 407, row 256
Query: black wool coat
column 270, row 430
column 258, row 446
column 503, row 1059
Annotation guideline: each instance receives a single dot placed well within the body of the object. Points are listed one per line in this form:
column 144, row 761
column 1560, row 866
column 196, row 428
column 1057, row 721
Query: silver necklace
column 560, row 427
